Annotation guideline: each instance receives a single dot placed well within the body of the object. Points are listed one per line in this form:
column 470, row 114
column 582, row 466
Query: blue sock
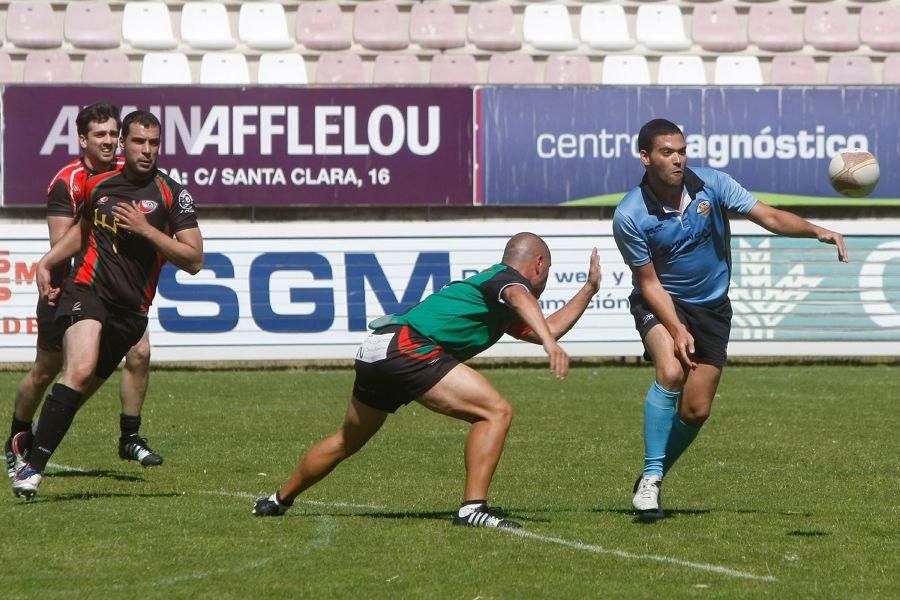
column 681, row 437
column 659, row 412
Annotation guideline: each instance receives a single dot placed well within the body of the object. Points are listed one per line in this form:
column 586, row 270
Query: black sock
column 129, row 426
column 18, row 426
column 471, row 502
column 56, row 417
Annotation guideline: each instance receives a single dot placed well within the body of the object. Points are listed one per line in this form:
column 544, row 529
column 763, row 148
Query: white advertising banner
column 306, row 290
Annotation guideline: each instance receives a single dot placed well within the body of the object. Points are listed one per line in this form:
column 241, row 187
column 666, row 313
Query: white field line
column 67, row 468
column 300, row 500
column 649, row 557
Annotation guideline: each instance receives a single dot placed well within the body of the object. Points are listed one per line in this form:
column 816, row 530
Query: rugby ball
column 853, row 173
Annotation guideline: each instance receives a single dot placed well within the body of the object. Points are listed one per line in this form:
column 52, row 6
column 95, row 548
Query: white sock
column 467, row 509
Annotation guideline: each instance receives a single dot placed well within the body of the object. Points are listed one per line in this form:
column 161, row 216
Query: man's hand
column 559, row 360
column 48, row 294
column 593, row 280
column 833, row 237
column 684, row 347
column 131, row 218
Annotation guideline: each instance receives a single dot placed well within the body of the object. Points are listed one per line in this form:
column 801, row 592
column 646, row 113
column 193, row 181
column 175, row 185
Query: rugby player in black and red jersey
column 98, row 135
column 132, row 222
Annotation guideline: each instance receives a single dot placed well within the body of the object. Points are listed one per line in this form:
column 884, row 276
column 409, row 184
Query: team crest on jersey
column 703, row 208
column 185, row 202
column 148, row 206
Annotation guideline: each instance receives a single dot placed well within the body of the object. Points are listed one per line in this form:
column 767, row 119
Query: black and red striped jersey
column 123, row 268
column 64, row 197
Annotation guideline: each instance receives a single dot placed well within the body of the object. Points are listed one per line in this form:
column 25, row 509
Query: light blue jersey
column 690, row 250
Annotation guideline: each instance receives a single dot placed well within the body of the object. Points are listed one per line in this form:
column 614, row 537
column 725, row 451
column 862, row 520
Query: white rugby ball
column 854, row 173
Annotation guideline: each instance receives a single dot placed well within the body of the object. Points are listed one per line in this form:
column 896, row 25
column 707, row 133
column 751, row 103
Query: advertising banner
column 263, row 146
column 308, row 290
column 578, row 145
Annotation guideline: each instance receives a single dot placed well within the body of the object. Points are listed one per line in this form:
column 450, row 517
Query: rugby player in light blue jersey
column 673, row 232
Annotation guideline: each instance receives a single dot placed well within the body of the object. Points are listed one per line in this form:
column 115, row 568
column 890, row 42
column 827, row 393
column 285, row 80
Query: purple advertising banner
column 263, row 146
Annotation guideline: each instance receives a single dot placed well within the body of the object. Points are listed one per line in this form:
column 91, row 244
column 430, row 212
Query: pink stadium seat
column 879, row 27
column 568, row 70
column 891, row 75
column 48, row 67
column 320, row 26
column 794, row 70
column 511, row 69
column 850, row 70
column 397, row 69
column 459, row 69
column 492, row 27
column 109, row 66
column 717, row 29
column 341, row 68
column 827, row 27
column 772, row 27
column 32, row 25
column 90, row 25
column 377, row 26
column 7, row 73
column 433, row 25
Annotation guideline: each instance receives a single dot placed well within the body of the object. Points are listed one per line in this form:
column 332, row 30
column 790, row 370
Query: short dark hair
column 652, row 129
column 99, row 112
column 141, row 117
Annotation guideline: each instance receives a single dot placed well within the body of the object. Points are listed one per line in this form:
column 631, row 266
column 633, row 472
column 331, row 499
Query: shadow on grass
column 95, row 473
column 437, row 515
column 812, row 533
column 671, row 513
column 95, row 496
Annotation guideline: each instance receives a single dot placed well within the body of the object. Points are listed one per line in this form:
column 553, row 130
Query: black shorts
column 395, row 365
column 121, row 329
column 710, row 326
column 50, row 334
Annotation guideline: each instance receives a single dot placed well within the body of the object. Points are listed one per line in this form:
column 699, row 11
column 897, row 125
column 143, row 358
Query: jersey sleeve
column 518, row 329
column 181, row 212
column 59, row 200
column 493, row 287
column 632, row 244
column 732, row 195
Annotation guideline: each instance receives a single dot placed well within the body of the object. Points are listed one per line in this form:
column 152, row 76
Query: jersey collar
column 692, row 183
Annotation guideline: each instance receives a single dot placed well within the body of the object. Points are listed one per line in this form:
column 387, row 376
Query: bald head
column 523, row 248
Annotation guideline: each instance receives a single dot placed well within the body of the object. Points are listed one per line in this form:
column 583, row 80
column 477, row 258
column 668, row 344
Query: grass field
column 790, row 491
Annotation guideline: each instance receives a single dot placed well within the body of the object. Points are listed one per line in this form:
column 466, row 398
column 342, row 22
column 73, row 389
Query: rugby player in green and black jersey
column 132, row 222
column 418, row 355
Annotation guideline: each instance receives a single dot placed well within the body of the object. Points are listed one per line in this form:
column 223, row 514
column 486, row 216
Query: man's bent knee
column 139, row 355
column 670, row 376
column 695, row 417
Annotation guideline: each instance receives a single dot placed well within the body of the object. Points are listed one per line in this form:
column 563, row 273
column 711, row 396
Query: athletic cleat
column 17, row 451
column 485, row 517
column 647, row 499
column 136, row 448
column 268, row 506
column 26, row 482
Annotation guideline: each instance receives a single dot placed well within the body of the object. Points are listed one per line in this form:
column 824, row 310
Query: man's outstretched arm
column 788, row 224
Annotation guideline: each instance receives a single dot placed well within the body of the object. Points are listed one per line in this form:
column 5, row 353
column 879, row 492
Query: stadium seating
column 625, row 69
column 604, row 27
column 32, row 25
column 492, row 27
column 90, row 25
column 320, row 26
column 827, row 27
column 340, row 68
column 850, row 70
column 681, row 70
column 511, row 69
column 283, row 68
column 106, row 66
column 166, row 68
column 793, row 70
column 738, row 70
column 548, row 27
column 7, row 71
column 263, row 26
column 228, row 68
column 879, row 27
column 891, row 75
column 377, row 26
column 205, row 26
column 48, row 66
column 433, row 25
column 717, row 29
column 660, row 27
column 568, row 70
column 397, row 69
column 454, row 69
column 771, row 27
column 148, row 26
